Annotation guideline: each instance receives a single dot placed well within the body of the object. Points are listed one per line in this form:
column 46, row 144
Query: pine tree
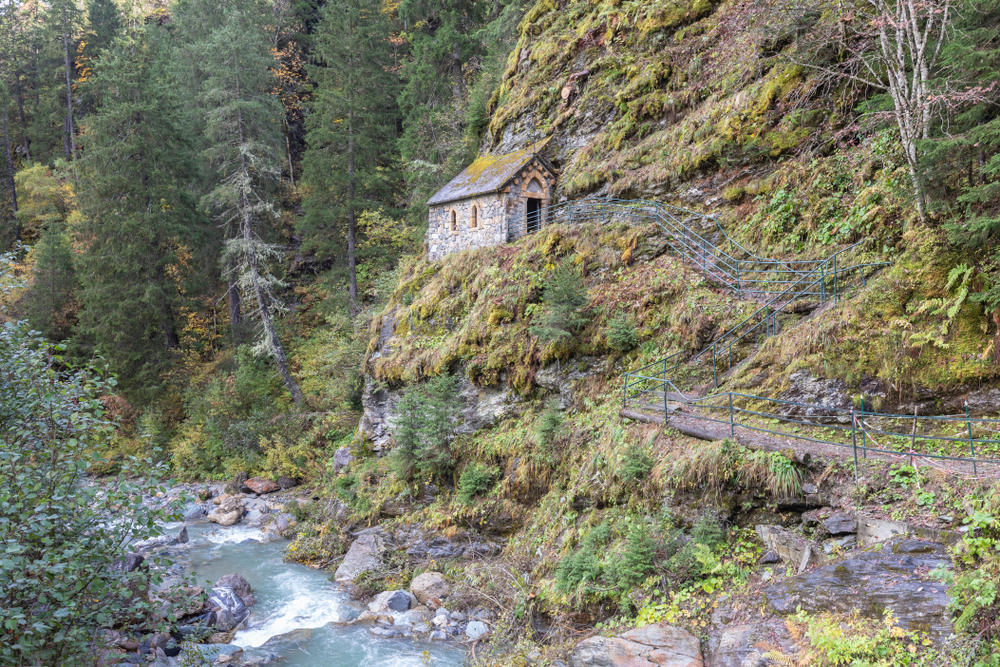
column 241, row 128
column 564, row 300
column 50, row 300
column 137, row 213
column 351, row 133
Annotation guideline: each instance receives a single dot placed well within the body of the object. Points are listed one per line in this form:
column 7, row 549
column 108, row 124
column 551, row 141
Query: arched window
column 454, row 221
column 474, row 217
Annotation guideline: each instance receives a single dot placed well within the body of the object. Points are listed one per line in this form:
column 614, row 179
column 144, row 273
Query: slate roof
column 487, row 173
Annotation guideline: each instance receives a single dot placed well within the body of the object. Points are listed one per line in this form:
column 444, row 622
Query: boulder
column 237, row 584
column 341, row 459
column 260, row 486
column 227, row 609
column 476, row 630
column 430, row 586
column 225, row 518
column 228, row 512
column 841, row 523
column 389, row 601
column 287, row 482
column 364, row 555
column 657, row 645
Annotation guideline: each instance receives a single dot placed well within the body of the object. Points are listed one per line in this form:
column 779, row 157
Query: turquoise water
column 300, row 614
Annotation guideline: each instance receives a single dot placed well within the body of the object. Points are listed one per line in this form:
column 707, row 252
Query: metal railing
column 906, row 438
column 778, row 284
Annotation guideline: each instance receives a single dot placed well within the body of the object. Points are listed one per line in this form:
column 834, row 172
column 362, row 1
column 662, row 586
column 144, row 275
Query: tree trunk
column 235, row 313
column 70, row 130
column 10, row 161
column 352, row 222
column 288, row 153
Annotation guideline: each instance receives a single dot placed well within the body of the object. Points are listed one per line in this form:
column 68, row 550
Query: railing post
column 835, row 279
column 625, row 393
column 972, row 442
column 822, row 282
column 715, row 372
column 854, row 443
column 665, row 402
column 864, row 436
column 732, row 421
column 739, row 290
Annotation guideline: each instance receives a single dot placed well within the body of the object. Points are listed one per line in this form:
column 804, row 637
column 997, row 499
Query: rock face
column 894, row 578
column 430, row 586
column 481, row 407
column 364, row 555
column 824, row 396
column 649, row 646
column 789, row 546
column 260, row 486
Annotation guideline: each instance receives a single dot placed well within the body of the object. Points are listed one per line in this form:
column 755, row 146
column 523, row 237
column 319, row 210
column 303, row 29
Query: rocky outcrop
column 789, row 546
column 824, row 398
column 481, row 406
column 364, row 555
column 894, row 578
column 649, row 646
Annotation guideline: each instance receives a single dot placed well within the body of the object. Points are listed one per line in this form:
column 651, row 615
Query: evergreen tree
column 242, row 131
column 563, row 300
column 351, row 133
column 105, row 24
column 50, row 301
column 137, row 213
column 966, row 151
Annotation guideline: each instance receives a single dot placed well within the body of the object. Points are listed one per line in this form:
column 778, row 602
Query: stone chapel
column 496, row 199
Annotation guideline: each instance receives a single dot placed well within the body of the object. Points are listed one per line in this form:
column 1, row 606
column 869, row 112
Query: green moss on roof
column 487, row 173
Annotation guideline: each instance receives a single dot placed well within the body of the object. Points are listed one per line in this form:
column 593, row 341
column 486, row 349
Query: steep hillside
column 602, row 520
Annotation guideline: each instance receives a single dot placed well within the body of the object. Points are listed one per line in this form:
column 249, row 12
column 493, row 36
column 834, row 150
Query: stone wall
column 534, row 181
column 487, row 228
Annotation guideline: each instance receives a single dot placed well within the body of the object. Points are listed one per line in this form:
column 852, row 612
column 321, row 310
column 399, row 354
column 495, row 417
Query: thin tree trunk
column 352, row 222
column 235, row 313
column 10, row 161
column 70, row 130
column 288, row 153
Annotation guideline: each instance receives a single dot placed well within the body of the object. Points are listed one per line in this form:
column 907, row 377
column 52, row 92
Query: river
column 300, row 616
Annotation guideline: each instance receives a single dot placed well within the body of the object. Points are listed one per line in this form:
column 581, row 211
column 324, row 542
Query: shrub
column 621, row 335
column 583, row 565
column 547, row 427
column 637, row 561
column 476, row 479
column 59, row 578
column 636, row 464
